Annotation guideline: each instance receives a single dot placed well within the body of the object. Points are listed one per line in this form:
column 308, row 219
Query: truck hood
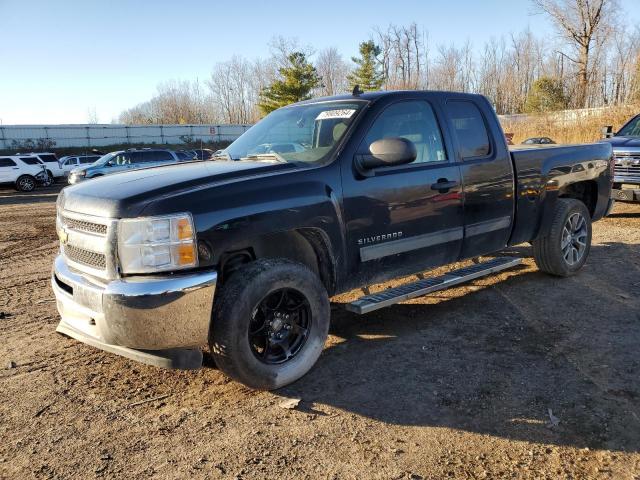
column 125, row 194
column 619, row 143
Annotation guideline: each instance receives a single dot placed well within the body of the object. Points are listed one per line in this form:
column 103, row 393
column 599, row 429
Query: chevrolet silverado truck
column 626, row 152
column 320, row 197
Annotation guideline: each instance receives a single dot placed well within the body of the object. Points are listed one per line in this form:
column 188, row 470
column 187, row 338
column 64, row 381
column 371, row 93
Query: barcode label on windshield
column 343, row 113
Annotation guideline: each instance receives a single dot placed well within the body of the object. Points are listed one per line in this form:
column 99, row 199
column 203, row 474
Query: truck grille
column 627, row 165
column 85, row 257
column 88, row 243
column 84, row 226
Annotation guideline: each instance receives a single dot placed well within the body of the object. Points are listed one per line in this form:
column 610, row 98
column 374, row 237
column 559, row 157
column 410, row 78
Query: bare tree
column 281, row 47
column 402, row 55
column 234, row 90
column 333, row 70
column 583, row 24
column 92, row 115
column 175, row 102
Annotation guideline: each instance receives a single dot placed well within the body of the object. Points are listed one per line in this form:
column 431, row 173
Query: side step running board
column 372, row 302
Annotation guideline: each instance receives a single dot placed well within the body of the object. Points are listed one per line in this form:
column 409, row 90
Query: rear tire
column 269, row 323
column 25, row 183
column 564, row 250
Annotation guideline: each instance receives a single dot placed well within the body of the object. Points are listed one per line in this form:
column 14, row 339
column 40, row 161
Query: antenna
column 356, row 91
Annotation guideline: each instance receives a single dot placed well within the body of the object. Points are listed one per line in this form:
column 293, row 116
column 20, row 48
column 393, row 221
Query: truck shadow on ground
column 626, row 214
column 494, row 361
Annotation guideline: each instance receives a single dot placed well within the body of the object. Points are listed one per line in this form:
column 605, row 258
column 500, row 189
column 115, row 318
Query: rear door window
column 469, row 128
column 48, row 158
column 7, row 162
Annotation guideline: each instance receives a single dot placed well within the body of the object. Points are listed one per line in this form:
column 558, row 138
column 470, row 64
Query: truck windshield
column 631, row 129
column 301, row 133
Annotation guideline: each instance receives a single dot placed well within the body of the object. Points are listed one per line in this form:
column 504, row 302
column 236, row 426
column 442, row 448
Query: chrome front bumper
column 157, row 320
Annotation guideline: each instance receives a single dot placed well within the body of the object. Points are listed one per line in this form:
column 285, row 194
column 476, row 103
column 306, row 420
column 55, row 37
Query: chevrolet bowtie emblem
column 63, row 235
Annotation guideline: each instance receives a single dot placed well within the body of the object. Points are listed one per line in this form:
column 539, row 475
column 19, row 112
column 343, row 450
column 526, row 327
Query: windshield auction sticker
column 343, row 113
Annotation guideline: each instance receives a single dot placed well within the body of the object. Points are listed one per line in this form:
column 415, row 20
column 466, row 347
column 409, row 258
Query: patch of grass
column 569, row 127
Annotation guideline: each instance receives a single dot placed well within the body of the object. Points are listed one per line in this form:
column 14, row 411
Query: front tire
column 25, row 183
column 564, row 250
column 269, row 324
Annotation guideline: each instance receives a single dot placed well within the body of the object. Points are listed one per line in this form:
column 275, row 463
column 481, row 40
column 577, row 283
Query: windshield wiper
column 265, row 156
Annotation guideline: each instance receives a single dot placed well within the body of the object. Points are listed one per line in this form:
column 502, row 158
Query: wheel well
column 307, row 246
column 586, row 192
column 25, row 175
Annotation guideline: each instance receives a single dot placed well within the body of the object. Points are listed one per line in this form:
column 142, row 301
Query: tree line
column 594, row 60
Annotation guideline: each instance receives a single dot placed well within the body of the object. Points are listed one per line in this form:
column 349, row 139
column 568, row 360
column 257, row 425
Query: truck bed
column 547, row 171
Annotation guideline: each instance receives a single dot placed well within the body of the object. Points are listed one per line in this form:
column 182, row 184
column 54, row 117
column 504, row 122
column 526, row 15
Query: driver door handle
column 443, row 185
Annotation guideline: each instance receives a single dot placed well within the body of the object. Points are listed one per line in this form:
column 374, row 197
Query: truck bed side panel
column 544, row 174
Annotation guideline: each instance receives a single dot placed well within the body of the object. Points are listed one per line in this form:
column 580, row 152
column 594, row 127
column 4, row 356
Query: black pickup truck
column 318, row 198
column 626, row 152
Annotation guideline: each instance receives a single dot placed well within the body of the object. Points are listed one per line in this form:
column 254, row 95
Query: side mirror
column 388, row 152
column 607, row 132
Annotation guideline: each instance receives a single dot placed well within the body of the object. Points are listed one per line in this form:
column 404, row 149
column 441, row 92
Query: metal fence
column 560, row 115
column 62, row 136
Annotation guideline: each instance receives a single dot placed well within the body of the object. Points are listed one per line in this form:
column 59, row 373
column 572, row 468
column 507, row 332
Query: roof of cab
column 373, row 96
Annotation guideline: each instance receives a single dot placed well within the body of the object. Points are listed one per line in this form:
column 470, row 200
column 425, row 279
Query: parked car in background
column 68, row 163
column 626, row 152
column 51, row 162
column 24, row 173
column 538, row 141
column 122, row 161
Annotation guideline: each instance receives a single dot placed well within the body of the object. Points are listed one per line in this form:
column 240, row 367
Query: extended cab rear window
column 469, row 128
column 7, row 162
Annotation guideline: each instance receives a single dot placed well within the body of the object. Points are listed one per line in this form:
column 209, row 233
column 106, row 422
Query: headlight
column 157, row 244
column 80, row 173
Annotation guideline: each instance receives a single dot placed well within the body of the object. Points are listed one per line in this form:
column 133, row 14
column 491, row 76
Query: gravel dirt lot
column 517, row 376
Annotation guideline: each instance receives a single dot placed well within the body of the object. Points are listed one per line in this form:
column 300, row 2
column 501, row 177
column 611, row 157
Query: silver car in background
column 124, row 160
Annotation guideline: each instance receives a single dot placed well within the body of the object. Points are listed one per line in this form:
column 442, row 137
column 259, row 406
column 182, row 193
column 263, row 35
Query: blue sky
column 61, row 58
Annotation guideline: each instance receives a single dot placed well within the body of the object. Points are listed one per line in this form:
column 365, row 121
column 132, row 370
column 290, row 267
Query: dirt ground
column 518, row 376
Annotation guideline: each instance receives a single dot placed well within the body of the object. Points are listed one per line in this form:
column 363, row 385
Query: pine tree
column 296, row 82
column 546, row 95
column 367, row 73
